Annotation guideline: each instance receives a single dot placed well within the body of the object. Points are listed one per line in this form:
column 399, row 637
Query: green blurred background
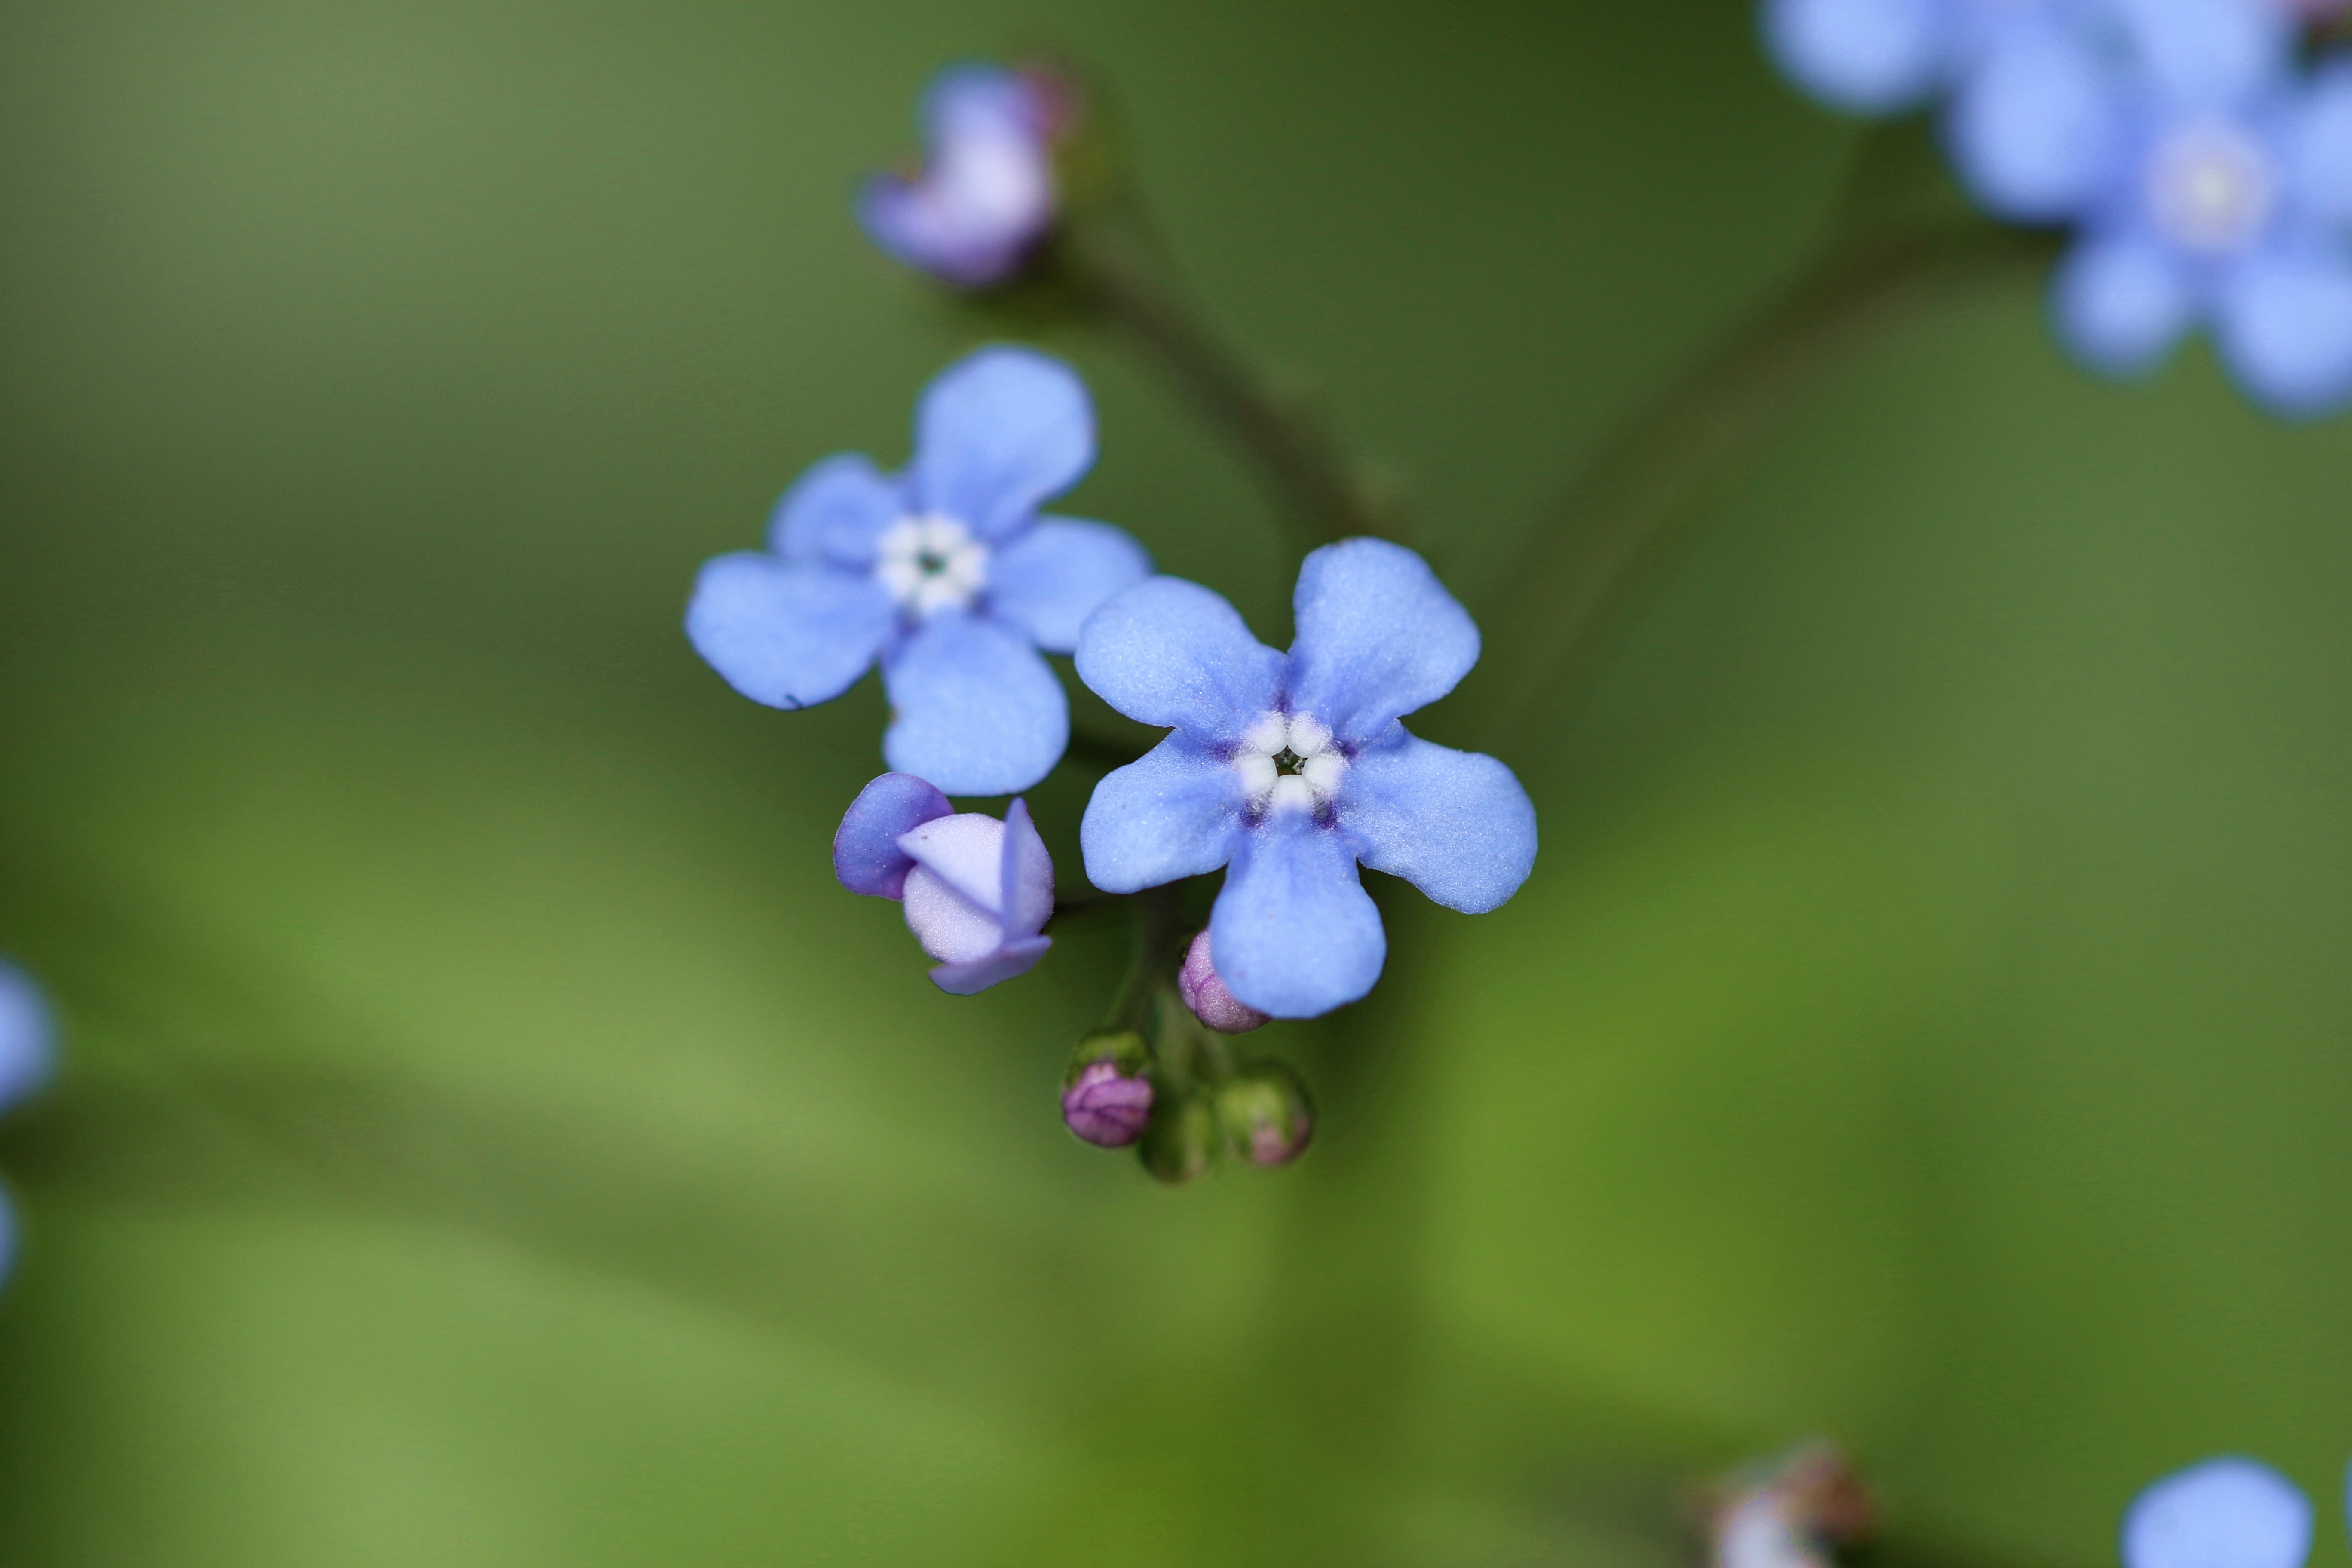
column 488, row 1135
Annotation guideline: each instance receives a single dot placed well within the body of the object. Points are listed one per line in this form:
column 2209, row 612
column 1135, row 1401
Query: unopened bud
column 1182, row 1142
column 1207, row 996
column 1266, row 1116
column 1106, row 1099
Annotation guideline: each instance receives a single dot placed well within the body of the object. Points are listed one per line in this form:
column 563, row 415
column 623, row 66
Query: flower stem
column 1580, row 581
column 1107, row 255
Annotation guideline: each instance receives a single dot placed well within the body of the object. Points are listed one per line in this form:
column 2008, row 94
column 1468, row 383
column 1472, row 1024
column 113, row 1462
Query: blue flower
column 985, row 196
column 945, row 571
column 2223, row 1513
column 1874, row 57
column 27, row 1054
column 1292, row 768
column 977, row 891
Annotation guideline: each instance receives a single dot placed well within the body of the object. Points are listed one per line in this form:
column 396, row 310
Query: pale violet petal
column 966, row 851
column 1051, row 576
column 1378, row 637
column 1872, row 57
column 2211, row 52
column 2319, row 145
column 2224, row 1513
column 1292, row 932
column 1456, row 825
column 786, row 634
column 1173, row 812
column 950, row 927
column 2284, row 330
column 2120, row 303
column 979, row 711
column 835, row 511
column 1015, row 957
column 1172, row 653
column 1027, row 872
column 999, row 433
column 867, row 857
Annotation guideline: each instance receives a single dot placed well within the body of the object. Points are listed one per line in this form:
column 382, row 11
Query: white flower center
column 2210, row 186
column 1287, row 763
column 930, row 564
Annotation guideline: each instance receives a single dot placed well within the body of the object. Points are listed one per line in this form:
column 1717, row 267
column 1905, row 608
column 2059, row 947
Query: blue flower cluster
column 2202, row 159
column 1290, row 770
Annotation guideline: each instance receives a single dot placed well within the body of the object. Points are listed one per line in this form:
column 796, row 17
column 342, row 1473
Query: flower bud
column 1106, row 1097
column 1182, row 1142
column 1207, row 996
column 1265, row 1114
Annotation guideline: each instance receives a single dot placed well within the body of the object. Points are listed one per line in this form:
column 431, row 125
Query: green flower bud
column 1182, row 1142
column 1265, row 1114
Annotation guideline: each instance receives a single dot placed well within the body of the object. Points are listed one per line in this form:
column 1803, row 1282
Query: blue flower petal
column 978, row 974
column 1175, row 812
column 2319, row 145
column 1172, row 653
column 1051, row 577
column 1378, row 637
column 2036, row 129
column 1292, row 932
column 2223, row 1513
column 1456, row 825
column 2213, row 52
column 998, row 433
column 2121, row 301
column 1027, row 898
column 1869, row 56
column 866, row 854
column 2285, row 330
column 28, row 1041
column 788, row 635
column 986, row 192
column 979, row 710
column 835, row 511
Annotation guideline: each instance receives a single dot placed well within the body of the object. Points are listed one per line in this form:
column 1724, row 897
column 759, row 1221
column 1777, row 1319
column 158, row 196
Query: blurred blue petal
column 1173, row 812
column 1051, row 577
column 788, row 635
column 2319, row 145
column 1868, row 56
column 985, row 194
column 867, row 857
column 835, row 511
column 998, row 433
column 2120, row 303
column 28, row 1044
column 2035, row 131
column 2215, row 52
column 979, row 711
column 1378, row 637
column 1456, row 825
column 2284, row 330
column 1292, row 932
column 1172, row 653
column 2223, row 1513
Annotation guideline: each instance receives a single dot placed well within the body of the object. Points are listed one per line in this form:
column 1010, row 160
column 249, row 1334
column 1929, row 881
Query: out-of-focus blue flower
column 977, row 891
column 1292, row 768
column 2224, row 1513
column 1874, row 57
column 28, row 1055
column 946, row 571
column 985, row 196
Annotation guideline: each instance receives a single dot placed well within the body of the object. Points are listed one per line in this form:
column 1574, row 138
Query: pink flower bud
column 1107, row 1107
column 1207, row 996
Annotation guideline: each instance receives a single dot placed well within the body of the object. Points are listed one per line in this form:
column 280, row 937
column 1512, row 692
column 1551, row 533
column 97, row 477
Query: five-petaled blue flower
column 1292, row 768
column 2223, row 1513
column 27, row 1050
column 985, row 196
column 977, row 891
column 946, row 571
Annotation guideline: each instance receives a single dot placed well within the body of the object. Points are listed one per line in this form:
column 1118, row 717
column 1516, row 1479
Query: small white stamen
column 1287, row 763
column 930, row 564
column 2210, row 186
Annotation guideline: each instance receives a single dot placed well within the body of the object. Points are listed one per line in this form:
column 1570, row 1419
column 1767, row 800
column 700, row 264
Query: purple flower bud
column 1107, row 1107
column 1207, row 996
column 1266, row 1116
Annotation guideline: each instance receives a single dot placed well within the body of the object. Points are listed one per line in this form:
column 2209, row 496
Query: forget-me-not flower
column 1292, row 768
column 27, row 1052
column 1873, row 57
column 945, row 571
column 2223, row 1513
column 977, row 891
column 985, row 196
